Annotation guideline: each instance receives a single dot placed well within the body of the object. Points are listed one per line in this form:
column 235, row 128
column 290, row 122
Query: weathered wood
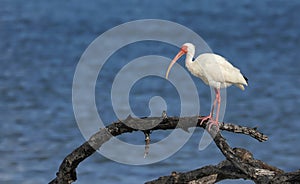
column 239, row 162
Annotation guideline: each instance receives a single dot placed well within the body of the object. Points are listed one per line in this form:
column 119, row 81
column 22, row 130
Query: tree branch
column 236, row 165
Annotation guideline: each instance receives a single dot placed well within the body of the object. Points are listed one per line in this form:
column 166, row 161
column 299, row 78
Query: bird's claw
column 211, row 123
column 206, row 118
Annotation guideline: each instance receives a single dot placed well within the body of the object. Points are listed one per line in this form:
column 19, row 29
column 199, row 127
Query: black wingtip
column 245, row 78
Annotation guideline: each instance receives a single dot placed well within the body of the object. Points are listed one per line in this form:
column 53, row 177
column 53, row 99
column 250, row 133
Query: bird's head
column 185, row 49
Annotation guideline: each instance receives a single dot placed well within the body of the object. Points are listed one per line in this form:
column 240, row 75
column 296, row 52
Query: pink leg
column 216, row 121
column 210, row 116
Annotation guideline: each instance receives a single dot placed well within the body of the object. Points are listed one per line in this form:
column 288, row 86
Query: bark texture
column 239, row 163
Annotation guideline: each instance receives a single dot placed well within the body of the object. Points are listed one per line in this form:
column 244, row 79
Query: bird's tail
column 240, row 86
column 246, row 79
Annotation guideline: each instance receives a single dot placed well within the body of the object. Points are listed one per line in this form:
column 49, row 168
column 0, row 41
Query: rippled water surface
column 42, row 41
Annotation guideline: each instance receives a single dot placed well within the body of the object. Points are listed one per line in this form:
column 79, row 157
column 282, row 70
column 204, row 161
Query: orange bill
column 180, row 53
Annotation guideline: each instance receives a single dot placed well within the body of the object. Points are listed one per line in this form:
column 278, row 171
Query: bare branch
column 244, row 130
column 239, row 163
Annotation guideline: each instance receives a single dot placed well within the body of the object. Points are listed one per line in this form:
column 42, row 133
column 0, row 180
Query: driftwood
column 239, row 163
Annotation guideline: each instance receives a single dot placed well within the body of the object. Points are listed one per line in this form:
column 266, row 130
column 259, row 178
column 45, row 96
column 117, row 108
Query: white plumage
column 214, row 70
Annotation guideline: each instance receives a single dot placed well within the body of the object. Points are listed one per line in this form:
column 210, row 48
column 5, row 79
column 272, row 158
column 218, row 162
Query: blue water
column 42, row 41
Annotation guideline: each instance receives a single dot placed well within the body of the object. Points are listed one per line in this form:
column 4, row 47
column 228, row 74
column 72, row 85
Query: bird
column 215, row 71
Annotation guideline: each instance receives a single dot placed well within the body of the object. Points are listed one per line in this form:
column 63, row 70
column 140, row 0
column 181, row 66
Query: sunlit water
column 41, row 43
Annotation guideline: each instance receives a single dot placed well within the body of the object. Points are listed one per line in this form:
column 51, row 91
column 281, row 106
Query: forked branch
column 239, row 163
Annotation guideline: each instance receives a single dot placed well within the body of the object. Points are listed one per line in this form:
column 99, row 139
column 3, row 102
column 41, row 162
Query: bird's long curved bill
column 180, row 53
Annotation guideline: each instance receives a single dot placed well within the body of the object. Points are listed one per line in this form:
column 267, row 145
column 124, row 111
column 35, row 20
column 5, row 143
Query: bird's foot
column 213, row 123
column 205, row 118
column 210, row 122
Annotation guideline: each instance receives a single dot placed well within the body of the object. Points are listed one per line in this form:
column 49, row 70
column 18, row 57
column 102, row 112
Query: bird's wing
column 218, row 69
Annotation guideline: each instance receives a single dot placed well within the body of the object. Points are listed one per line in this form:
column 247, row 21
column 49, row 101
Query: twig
column 147, row 142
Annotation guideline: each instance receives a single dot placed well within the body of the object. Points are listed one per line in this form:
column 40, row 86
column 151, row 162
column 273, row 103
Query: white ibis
column 215, row 71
